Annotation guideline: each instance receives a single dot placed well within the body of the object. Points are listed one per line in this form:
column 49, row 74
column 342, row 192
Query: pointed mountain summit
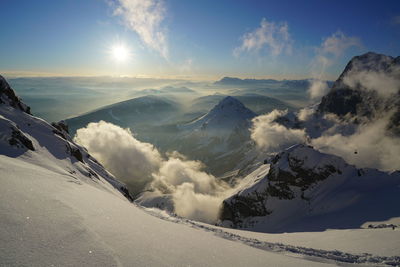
column 219, row 138
column 229, row 114
column 233, row 106
column 368, row 86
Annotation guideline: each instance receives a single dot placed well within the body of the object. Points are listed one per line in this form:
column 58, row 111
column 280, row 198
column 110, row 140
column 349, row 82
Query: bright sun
column 120, row 53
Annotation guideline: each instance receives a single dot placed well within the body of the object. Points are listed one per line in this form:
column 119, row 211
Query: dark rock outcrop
column 358, row 101
column 292, row 172
column 8, row 96
column 19, row 139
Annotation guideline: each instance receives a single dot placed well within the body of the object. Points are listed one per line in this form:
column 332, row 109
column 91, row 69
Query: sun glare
column 120, row 53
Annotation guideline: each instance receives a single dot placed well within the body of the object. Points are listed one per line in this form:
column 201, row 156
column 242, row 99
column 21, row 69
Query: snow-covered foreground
column 51, row 219
column 362, row 247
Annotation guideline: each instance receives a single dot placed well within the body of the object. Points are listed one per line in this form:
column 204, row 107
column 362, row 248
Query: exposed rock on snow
column 7, row 96
column 304, row 186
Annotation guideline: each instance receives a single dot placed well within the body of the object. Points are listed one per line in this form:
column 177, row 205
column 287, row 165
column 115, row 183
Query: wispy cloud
column 396, row 20
column 330, row 50
column 186, row 65
column 273, row 36
column 145, row 17
column 337, row 44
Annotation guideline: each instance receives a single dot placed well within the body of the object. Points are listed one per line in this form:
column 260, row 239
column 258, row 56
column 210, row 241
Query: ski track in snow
column 319, row 255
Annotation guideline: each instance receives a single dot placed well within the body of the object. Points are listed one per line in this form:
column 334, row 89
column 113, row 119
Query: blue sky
column 194, row 39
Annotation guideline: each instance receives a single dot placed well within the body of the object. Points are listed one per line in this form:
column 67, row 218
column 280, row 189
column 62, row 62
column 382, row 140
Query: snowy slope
column 305, row 190
column 49, row 219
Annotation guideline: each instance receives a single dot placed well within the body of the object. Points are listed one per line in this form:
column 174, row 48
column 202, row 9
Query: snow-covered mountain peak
column 219, row 137
column 306, row 157
column 368, row 62
column 228, row 114
column 232, row 106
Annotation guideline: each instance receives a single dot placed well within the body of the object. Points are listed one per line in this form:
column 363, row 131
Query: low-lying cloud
column 195, row 193
column 318, row 89
column 123, row 155
column 383, row 83
column 364, row 145
column 273, row 136
column 369, row 146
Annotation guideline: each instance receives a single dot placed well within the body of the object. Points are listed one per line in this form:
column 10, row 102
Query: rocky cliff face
column 368, row 87
column 8, row 96
column 291, row 173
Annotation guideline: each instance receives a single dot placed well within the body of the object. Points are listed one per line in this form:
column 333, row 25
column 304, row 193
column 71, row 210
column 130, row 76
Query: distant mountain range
column 232, row 81
column 166, row 91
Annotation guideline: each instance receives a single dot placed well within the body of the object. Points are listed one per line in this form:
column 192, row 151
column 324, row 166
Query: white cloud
column 145, row 18
column 273, row 35
column 186, row 65
column 273, row 136
column 364, row 145
column 331, row 48
column 304, row 114
column 195, row 193
column 177, row 171
column 369, row 146
column 396, row 20
column 384, row 84
column 337, row 44
column 130, row 160
column 318, row 89
column 197, row 206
